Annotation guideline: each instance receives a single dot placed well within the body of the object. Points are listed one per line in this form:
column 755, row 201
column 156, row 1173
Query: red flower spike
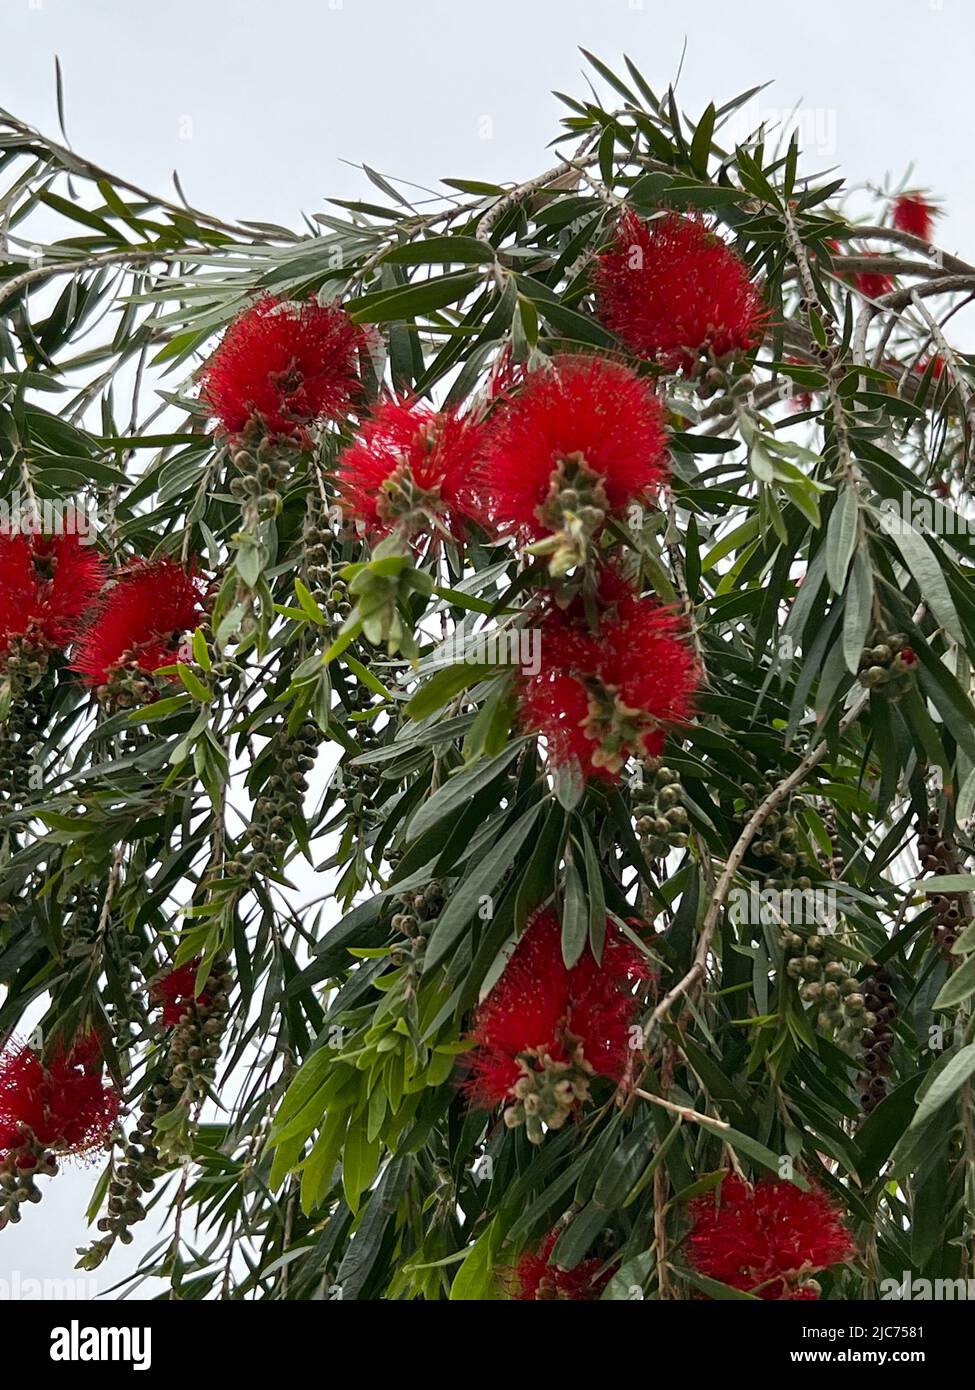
column 47, row 585
column 63, row 1104
column 544, row 1030
column 936, row 363
column 410, row 467
column 913, row 213
column 671, row 289
column 534, row 1279
column 873, row 284
column 505, row 375
column 175, row 991
column 140, row 622
column 574, row 445
column 768, row 1239
column 288, row 365
column 602, row 697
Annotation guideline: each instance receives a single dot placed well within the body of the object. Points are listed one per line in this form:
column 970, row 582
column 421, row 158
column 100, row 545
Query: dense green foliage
column 343, row 1159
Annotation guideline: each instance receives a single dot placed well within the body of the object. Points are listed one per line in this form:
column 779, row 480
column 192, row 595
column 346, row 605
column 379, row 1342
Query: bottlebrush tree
column 504, row 618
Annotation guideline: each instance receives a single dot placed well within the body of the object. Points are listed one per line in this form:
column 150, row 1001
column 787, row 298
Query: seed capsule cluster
column 19, row 1169
column 290, row 757
column 128, row 687
column 194, row 1046
column 826, row 982
column 416, row 912
column 834, row 863
column 891, row 662
column 547, row 1093
column 785, row 862
column 181, row 1080
column 937, row 854
column 714, row 379
column 877, row 1038
column 128, row 1008
column 574, row 510
column 661, row 820
column 24, row 667
column 263, row 464
column 329, row 592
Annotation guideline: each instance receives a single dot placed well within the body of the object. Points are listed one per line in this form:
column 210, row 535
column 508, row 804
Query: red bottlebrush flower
column 62, row 1105
column 767, row 1240
column 534, row 1279
column 671, row 289
column 913, row 213
column 873, row 284
column 410, row 467
column 284, row 364
column 176, row 990
column 936, row 363
column 603, row 697
column 544, row 1030
column 505, row 375
column 140, row 622
column 47, row 585
column 574, row 445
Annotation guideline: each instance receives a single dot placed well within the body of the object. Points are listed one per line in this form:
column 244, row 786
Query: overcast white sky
column 257, row 102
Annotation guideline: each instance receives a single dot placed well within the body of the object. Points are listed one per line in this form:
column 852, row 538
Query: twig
column 947, row 352
column 131, row 256
column 566, row 169
column 885, row 265
column 914, row 243
column 684, row 1111
column 76, row 164
column 695, row 974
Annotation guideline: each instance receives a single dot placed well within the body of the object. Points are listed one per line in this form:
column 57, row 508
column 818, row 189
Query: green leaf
column 951, row 1073
column 461, row 788
column 309, row 604
column 441, row 250
column 596, row 896
column 443, row 685
column 578, row 1236
column 717, row 1290
column 841, row 538
column 744, row 1143
column 923, row 567
column 958, row 987
column 317, row 1170
column 857, row 611
column 701, row 143
column 625, row 1165
column 475, row 1280
column 201, row 653
column 412, row 301
column 193, row 684
column 479, row 884
column 575, row 917
column 568, row 783
column 946, row 883
column 360, row 1162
